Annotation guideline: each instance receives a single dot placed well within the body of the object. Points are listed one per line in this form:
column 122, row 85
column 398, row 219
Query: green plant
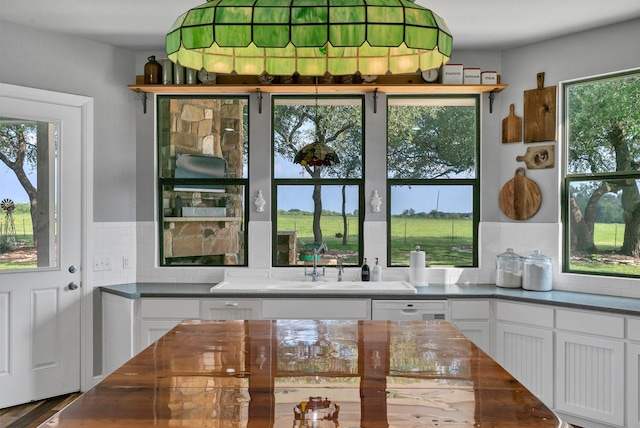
column 6, row 244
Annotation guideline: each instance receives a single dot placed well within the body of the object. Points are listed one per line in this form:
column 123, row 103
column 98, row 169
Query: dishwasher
column 409, row 310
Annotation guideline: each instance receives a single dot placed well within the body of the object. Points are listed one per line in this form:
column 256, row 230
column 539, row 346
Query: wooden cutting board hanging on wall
column 520, row 197
column 512, row 127
column 540, row 113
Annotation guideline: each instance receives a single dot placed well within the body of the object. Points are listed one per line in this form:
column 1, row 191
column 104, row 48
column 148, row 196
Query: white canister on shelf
column 537, row 274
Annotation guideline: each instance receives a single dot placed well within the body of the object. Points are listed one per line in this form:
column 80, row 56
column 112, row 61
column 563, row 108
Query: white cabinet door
column 118, row 331
column 230, row 309
column 633, row 387
column 590, row 380
column 524, row 345
column 152, row 330
column 478, row 332
column 527, row 353
column 473, row 319
column 158, row 316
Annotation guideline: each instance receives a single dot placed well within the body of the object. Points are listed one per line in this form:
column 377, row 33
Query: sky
column 447, row 199
column 10, row 187
column 420, row 199
column 452, row 199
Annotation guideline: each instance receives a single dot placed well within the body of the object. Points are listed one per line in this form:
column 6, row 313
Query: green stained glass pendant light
column 311, row 37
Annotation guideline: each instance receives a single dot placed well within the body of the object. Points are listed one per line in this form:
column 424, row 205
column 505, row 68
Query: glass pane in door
column 28, row 194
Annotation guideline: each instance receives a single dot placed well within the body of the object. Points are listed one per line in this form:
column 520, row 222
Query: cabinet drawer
column 470, row 310
column 590, row 323
column 525, row 314
column 321, row 309
column 633, row 329
column 230, row 309
column 170, row 308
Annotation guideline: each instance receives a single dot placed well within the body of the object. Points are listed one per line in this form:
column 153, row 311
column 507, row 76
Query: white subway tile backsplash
column 113, row 241
column 375, row 242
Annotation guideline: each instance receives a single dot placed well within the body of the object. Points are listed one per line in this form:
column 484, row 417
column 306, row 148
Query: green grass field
column 24, row 237
column 445, row 241
column 608, row 238
column 22, row 222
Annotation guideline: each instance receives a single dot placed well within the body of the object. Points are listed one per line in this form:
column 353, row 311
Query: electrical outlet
column 127, row 263
column 101, row 263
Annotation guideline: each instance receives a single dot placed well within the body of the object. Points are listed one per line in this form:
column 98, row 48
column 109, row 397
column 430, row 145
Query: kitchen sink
column 307, row 286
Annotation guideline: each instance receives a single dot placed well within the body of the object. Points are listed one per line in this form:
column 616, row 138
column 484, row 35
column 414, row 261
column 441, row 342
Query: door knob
column 73, row 285
column 73, row 269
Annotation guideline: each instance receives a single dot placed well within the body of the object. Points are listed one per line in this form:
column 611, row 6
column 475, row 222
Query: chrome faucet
column 314, row 273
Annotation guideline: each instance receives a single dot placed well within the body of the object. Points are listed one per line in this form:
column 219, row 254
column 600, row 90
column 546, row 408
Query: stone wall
column 209, row 127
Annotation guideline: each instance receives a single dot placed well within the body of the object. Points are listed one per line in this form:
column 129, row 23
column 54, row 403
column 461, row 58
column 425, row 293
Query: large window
column 317, row 168
column 202, row 180
column 601, row 202
column 432, row 179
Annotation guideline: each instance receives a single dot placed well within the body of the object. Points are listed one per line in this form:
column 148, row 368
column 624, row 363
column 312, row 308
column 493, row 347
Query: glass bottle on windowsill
column 365, row 271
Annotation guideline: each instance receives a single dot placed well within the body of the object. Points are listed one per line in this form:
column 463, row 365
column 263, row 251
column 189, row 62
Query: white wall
column 55, row 62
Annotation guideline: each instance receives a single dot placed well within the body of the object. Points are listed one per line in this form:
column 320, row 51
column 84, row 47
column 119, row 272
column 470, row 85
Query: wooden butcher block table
column 294, row 373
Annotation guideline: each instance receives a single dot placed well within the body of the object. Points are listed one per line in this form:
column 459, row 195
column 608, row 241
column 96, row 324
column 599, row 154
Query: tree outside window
column 432, row 178
column 317, row 203
column 602, row 181
column 28, row 228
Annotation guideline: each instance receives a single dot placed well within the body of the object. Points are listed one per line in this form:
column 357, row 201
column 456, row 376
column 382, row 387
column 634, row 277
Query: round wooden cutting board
column 520, row 197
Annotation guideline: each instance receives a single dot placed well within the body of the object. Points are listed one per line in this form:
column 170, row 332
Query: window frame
column 568, row 178
column 275, row 182
column 473, row 182
column 161, row 182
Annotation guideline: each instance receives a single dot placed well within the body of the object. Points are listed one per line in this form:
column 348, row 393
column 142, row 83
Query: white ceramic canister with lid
column 537, row 275
column 509, row 269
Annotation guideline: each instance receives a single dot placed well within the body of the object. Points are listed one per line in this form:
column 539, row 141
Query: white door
column 40, row 267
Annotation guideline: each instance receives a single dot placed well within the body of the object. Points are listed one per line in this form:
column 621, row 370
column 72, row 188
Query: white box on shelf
column 204, row 212
column 489, row 78
column 452, row 74
column 471, row 76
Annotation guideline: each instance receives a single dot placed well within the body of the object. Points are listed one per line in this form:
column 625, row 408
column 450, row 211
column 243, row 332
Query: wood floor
column 32, row 414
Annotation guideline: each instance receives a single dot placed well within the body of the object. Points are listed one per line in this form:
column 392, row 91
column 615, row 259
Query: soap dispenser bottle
column 377, row 272
column 365, row 271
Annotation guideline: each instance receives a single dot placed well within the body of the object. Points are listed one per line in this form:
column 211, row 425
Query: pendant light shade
column 311, row 37
column 316, row 154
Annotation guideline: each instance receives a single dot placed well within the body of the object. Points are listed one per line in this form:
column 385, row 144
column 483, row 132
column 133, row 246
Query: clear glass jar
column 509, row 269
column 537, row 272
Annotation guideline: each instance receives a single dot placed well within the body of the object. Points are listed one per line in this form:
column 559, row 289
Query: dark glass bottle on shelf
column 366, row 274
column 152, row 71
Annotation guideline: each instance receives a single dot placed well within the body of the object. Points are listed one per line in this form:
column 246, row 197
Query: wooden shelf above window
column 398, row 84
column 390, row 88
